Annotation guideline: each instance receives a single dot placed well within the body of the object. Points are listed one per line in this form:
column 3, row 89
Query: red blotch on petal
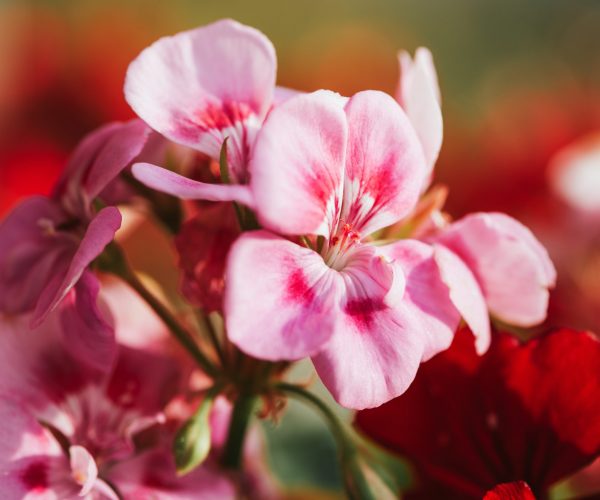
column 361, row 311
column 35, row 476
column 298, row 289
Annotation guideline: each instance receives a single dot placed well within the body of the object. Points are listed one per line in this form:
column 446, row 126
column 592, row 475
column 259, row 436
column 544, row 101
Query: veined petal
column 466, row 295
column 385, row 166
column 297, row 165
column 426, row 295
column 377, row 344
column 100, row 233
column 419, row 95
column 279, row 297
column 511, row 266
column 203, row 85
column 174, row 184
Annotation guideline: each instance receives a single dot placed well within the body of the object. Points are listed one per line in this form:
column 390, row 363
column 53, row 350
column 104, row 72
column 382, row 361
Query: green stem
column 240, row 420
column 114, row 261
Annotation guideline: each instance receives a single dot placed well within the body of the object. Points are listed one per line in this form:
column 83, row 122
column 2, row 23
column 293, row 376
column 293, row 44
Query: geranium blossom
column 46, row 243
column 340, row 169
column 522, row 412
column 198, row 88
column 72, row 431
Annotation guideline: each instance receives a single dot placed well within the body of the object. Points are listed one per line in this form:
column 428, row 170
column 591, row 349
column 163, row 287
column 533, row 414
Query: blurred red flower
column 522, row 412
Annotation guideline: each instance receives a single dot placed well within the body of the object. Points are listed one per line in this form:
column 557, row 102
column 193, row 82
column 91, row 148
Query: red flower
column 522, row 412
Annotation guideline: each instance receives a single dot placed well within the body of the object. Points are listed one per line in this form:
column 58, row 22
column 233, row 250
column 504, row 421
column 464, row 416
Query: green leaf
column 192, row 441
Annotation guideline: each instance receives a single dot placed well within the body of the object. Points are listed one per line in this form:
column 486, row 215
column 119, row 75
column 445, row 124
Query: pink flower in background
column 47, row 243
column 198, row 88
column 340, row 169
column 72, row 431
column 419, row 95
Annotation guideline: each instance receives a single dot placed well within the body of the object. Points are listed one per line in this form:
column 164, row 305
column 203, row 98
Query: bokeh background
column 520, row 81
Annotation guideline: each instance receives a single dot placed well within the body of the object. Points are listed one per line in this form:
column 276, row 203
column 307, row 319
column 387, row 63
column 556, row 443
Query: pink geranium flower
column 340, row 169
column 198, row 88
column 71, row 431
column 46, row 243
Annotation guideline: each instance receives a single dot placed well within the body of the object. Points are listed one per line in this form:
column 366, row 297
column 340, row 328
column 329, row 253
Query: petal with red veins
column 174, row 184
column 377, row 344
column 100, row 232
column 465, row 294
column 511, row 266
column 426, row 294
column 87, row 335
column 385, row 166
column 419, row 95
column 203, row 85
column 297, row 165
column 283, row 306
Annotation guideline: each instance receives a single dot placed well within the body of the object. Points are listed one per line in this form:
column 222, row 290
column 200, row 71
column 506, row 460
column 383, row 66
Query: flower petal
column 297, row 165
column 385, row 166
column 419, row 95
column 83, row 468
column 375, row 349
column 426, row 295
column 203, row 85
column 511, row 266
column 28, row 455
column 517, row 490
column 87, row 335
column 100, row 233
column 278, row 297
column 30, row 256
column 465, row 295
column 174, row 184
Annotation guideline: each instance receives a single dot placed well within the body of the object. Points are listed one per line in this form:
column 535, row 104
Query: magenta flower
column 71, row 431
column 198, row 88
column 46, row 244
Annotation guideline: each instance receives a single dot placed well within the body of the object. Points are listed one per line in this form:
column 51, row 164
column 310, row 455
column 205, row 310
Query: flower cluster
column 312, row 231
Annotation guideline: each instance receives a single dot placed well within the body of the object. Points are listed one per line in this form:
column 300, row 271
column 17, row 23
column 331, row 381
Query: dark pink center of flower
column 35, row 476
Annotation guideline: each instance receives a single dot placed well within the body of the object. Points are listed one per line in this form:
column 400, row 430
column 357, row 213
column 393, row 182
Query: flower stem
column 240, row 420
column 114, row 261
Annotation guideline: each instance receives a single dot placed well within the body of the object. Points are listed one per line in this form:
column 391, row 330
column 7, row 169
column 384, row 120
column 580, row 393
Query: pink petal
column 282, row 94
column 278, row 297
column 29, row 455
column 373, row 354
column 100, row 233
column 384, row 163
column 426, row 296
column 174, row 184
column 28, row 255
column 297, row 165
column 203, row 85
column 375, row 349
column 87, row 335
column 419, row 95
column 83, row 468
column 511, row 266
column 466, row 295
column 152, row 475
